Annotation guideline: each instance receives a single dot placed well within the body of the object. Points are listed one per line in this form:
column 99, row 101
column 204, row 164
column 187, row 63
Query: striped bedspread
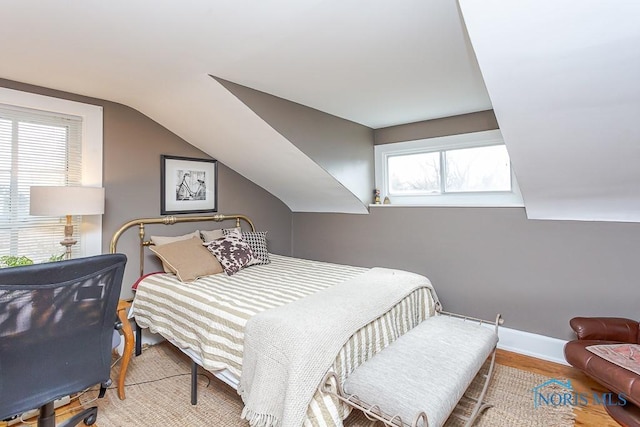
column 207, row 317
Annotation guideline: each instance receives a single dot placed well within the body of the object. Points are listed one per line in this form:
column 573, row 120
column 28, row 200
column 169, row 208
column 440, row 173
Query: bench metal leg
column 480, row 406
column 372, row 412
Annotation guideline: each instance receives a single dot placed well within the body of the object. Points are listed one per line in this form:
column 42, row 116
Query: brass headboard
column 168, row 220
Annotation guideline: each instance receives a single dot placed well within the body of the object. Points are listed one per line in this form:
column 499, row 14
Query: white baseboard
column 534, row 345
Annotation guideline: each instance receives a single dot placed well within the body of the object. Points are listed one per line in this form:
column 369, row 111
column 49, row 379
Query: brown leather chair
column 607, row 330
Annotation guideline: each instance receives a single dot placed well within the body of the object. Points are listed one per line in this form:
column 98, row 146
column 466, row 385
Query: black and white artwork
column 188, row 185
column 192, row 185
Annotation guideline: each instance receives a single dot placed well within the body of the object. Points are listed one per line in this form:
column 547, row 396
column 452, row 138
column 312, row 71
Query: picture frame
column 188, row 185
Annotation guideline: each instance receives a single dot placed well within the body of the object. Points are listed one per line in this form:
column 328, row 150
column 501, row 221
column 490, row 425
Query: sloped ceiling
column 377, row 63
column 563, row 77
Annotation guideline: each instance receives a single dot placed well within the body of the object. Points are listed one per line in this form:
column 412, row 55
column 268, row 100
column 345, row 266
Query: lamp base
column 68, row 238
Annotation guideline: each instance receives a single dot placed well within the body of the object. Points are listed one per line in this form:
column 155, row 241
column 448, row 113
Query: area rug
column 158, row 394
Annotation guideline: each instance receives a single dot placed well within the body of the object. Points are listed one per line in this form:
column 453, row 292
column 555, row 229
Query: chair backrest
column 56, row 329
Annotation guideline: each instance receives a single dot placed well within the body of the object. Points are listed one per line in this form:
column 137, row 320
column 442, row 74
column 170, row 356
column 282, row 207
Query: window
column 46, row 141
column 460, row 170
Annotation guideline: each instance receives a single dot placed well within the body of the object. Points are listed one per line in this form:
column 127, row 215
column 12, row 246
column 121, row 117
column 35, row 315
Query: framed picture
column 188, row 185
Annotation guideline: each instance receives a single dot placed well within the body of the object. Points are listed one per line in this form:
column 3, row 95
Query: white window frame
column 92, row 126
column 382, row 152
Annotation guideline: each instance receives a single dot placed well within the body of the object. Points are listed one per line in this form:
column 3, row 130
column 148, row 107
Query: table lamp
column 66, row 201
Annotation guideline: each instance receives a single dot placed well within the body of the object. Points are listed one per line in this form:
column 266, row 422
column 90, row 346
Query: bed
column 222, row 322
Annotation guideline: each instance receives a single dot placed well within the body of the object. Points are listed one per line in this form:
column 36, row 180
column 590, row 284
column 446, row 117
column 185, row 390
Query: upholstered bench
column 422, row 375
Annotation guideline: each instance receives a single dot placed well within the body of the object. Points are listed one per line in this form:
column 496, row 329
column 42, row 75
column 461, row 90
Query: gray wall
column 466, row 123
column 341, row 147
column 133, row 144
column 484, row 261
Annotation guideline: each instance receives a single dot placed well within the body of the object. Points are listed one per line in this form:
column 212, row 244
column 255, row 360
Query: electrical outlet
column 32, row 413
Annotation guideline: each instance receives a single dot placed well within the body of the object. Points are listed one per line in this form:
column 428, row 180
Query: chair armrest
column 605, row 328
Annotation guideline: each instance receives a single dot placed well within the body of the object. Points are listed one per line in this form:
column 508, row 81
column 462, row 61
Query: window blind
column 36, row 148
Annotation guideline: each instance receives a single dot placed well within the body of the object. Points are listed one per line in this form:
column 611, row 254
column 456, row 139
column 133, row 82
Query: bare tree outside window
column 478, row 169
column 414, row 173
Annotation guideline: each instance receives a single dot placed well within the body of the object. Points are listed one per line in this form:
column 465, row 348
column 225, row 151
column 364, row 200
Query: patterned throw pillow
column 232, row 252
column 257, row 240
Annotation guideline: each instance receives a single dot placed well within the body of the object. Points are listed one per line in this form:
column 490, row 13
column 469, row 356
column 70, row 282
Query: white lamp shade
column 60, row 201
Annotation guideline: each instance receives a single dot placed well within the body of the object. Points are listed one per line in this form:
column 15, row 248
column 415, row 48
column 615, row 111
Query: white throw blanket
column 288, row 349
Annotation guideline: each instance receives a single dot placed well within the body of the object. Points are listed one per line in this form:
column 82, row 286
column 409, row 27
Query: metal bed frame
column 168, row 220
column 113, row 247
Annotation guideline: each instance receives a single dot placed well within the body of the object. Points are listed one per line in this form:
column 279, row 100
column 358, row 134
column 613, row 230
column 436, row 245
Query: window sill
column 447, row 205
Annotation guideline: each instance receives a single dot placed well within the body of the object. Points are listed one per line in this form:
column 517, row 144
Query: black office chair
column 56, row 329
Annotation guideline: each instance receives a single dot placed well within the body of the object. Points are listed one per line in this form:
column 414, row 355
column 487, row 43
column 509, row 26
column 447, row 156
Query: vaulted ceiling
column 563, row 80
column 376, row 63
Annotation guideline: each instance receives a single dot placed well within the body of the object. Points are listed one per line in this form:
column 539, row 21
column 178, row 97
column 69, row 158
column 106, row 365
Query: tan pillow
column 188, row 258
column 163, row 240
column 211, row 235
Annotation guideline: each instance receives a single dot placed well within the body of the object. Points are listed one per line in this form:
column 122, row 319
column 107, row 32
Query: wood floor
column 591, row 415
